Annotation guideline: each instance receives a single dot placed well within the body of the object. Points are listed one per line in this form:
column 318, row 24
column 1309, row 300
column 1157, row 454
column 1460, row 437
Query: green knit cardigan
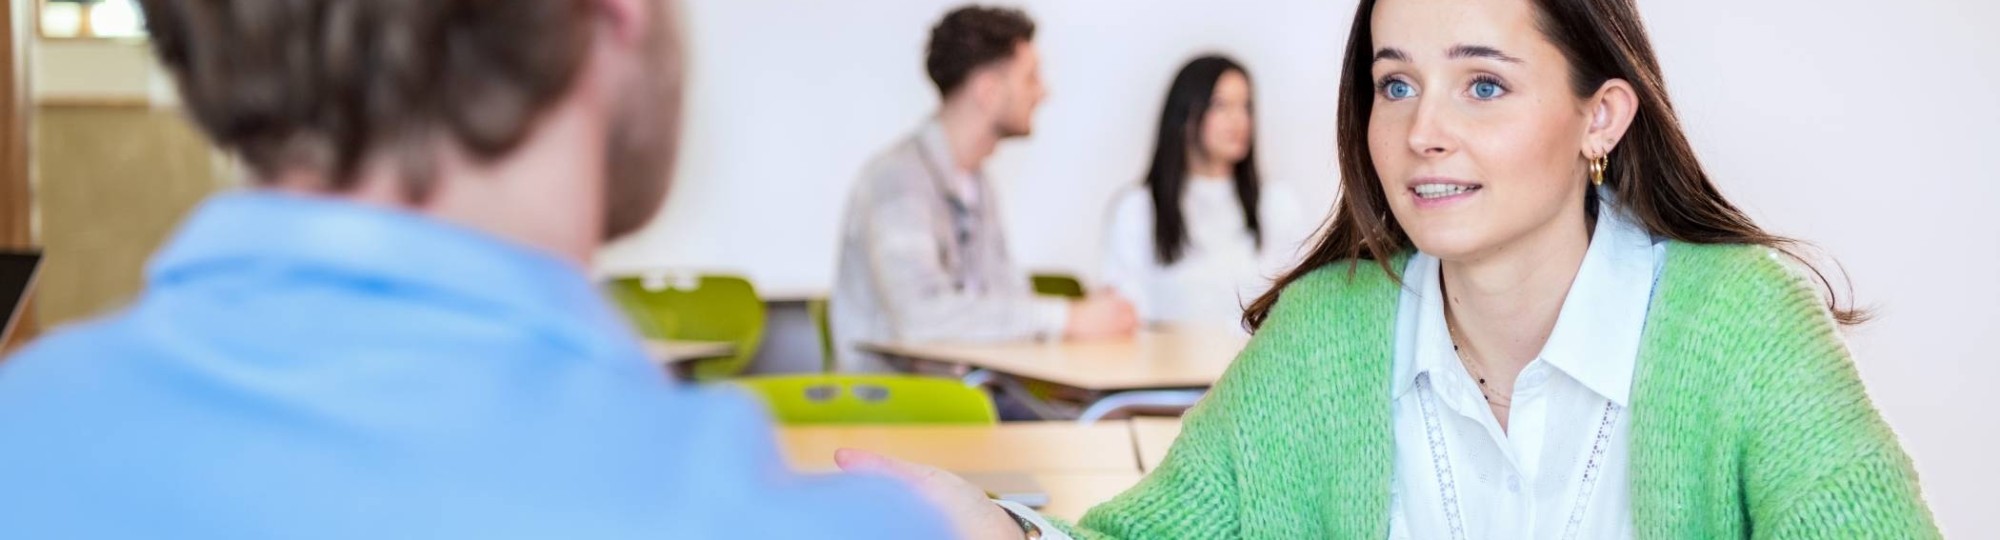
column 1748, row 420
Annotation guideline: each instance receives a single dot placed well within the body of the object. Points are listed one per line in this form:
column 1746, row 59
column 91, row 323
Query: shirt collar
column 380, row 248
column 1598, row 330
column 1411, row 330
column 936, row 147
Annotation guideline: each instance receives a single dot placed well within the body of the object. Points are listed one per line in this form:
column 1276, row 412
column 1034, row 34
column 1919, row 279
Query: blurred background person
column 391, row 336
column 1204, row 233
column 923, row 256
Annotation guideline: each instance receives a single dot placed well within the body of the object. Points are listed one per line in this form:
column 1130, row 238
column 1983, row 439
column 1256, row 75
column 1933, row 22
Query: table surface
column 1071, row 494
column 1152, row 436
column 669, row 352
column 791, row 294
column 1079, row 466
column 1030, row 447
column 1164, row 358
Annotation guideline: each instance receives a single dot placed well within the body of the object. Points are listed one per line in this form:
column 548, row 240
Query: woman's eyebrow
column 1391, row 53
column 1456, row 52
column 1480, row 51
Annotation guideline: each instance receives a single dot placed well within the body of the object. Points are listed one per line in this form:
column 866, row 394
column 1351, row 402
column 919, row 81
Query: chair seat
column 871, row 399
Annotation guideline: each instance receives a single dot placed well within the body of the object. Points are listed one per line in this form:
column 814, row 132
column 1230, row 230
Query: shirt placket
column 1505, row 496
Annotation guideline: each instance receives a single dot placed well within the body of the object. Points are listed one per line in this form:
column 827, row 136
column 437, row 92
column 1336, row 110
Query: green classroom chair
column 871, row 399
column 714, row 308
column 1062, row 285
column 816, row 309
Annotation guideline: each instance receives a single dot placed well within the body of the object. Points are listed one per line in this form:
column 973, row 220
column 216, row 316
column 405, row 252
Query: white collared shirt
column 1560, row 470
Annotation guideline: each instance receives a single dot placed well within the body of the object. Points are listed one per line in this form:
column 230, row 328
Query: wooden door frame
column 16, row 191
column 17, row 203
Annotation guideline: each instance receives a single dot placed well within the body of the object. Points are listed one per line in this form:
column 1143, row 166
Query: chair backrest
column 714, row 308
column 1062, row 285
column 816, row 309
column 871, row 399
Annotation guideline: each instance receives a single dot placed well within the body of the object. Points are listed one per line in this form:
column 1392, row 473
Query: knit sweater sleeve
column 1819, row 461
column 1290, row 442
column 1191, row 494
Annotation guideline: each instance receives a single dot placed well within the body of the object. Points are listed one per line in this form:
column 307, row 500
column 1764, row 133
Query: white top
column 1221, row 270
column 1559, row 472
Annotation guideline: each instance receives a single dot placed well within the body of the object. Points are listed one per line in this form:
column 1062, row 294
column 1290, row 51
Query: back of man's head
column 327, row 88
column 970, row 38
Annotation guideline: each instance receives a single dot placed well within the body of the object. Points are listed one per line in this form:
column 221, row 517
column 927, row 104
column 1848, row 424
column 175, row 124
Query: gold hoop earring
column 1597, row 167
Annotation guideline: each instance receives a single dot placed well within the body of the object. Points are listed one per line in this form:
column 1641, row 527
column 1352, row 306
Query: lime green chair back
column 816, row 308
column 1062, row 285
column 871, row 399
column 715, row 308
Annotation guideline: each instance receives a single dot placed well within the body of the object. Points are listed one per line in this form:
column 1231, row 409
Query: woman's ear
column 1610, row 112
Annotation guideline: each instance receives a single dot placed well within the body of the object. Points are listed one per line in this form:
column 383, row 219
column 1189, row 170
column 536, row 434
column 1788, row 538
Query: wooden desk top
column 1152, row 436
column 1070, row 494
column 1028, row 447
column 791, row 294
column 1178, row 358
column 674, row 352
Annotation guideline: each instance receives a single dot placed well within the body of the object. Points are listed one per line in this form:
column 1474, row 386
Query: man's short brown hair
column 970, row 38
column 320, row 85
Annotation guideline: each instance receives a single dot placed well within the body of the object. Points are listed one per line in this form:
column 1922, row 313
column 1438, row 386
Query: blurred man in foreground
column 391, row 336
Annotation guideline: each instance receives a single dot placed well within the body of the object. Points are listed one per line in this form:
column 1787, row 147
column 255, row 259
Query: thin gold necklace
column 1485, row 389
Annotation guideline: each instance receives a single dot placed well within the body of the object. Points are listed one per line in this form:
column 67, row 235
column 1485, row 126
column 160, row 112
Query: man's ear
column 628, row 21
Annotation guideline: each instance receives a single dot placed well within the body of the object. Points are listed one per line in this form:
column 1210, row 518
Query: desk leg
column 979, row 377
column 1042, row 409
column 1002, row 385
column 1163, row 399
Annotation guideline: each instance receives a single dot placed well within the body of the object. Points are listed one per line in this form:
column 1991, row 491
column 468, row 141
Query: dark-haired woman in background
column 1533, row 315
column 1203, row 235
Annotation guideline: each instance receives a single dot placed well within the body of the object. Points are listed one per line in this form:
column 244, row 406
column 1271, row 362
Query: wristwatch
column 1028, row 528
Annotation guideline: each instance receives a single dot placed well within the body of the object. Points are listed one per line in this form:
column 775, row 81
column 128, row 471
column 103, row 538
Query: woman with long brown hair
column 1203, row 231
column 1533, row 316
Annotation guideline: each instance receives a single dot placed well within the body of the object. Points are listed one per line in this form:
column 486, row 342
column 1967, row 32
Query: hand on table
column 964, row 505
column 1103, row 314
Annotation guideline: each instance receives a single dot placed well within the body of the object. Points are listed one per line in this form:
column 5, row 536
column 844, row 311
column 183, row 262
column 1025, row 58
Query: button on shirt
column 1559, row 471
column 307, row 368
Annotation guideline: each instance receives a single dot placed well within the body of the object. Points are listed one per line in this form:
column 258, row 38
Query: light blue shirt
column 305, row 368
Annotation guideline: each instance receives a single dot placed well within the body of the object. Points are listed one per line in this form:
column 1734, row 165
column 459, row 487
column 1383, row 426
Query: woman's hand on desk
column 971, row 514
column 1103, row 314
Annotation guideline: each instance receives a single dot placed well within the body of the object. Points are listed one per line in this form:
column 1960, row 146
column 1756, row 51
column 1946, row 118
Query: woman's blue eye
column 1395, row 89
column 1487, row 90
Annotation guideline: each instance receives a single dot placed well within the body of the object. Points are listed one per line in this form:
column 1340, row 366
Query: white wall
column 791, row 97
column 1862, row 126
column 97, row 69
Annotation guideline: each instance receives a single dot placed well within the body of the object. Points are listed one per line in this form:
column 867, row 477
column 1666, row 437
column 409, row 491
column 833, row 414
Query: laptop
column 17, row 275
